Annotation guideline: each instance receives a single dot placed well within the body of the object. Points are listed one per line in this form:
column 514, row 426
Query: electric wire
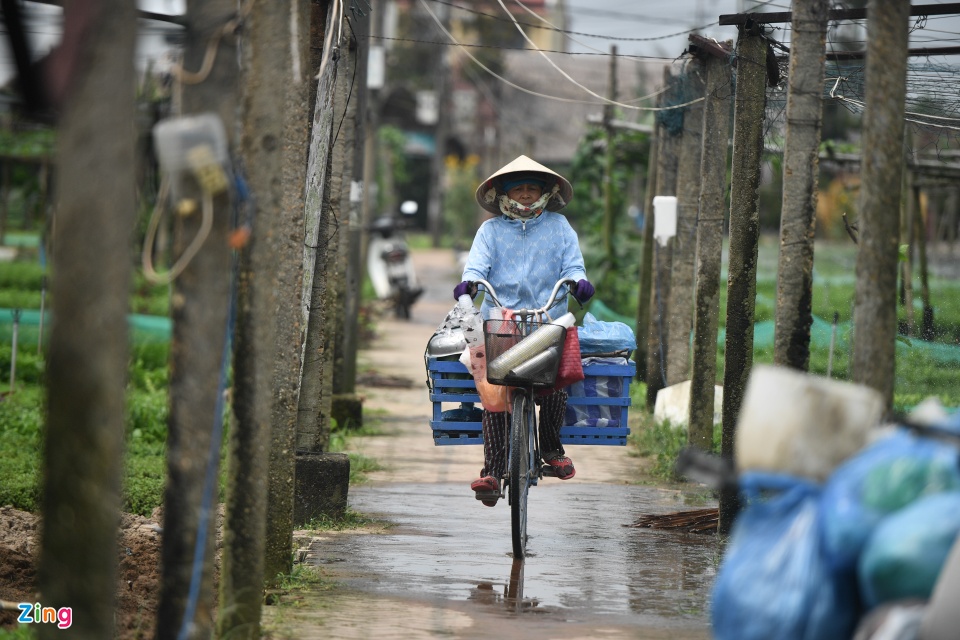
column 535, row 93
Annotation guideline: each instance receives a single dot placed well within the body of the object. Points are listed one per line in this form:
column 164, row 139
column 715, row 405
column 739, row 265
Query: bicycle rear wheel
column 521, row 452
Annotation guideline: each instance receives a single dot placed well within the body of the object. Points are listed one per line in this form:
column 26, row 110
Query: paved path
column 443, row 567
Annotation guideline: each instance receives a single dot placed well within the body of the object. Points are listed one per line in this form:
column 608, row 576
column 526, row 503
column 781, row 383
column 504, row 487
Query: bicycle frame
column 524, row 466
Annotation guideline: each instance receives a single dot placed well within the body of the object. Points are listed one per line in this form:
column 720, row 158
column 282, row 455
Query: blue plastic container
column 451, row 384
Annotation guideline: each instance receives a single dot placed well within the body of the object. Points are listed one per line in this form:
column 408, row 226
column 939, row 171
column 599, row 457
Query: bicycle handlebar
column 488, row 288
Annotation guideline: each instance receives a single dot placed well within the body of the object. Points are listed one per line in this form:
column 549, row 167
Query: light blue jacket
column 523, row 259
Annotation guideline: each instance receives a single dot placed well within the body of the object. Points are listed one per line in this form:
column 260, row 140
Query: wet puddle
column 583, row 563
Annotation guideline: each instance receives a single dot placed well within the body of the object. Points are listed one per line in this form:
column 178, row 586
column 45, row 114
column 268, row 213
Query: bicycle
column 523, row 353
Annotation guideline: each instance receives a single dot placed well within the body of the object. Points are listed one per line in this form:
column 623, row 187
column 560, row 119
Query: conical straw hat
column 523, row 164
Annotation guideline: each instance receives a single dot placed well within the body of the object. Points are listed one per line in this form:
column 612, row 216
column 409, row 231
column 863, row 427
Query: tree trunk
column 666, row 186
column 679, row 318
column 646, row 259
column 750, row 104
column 794, row 315
column 88, row 351
column 713, row 168
column 875, row 314
column 199, row 310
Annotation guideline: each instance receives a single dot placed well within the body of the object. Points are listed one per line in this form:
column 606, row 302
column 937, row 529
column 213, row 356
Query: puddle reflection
column 512, row 599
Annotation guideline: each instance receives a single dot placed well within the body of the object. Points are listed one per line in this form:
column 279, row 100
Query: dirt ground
column 138, row 569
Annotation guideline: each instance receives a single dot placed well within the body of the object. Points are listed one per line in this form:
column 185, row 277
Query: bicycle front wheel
column 521, row 448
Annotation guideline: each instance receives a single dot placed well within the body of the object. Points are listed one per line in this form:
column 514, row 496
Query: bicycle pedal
column 487, row 495
column 548, row 471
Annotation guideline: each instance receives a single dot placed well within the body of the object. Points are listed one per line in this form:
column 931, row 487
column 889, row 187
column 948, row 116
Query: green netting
column 143, row 329
column 604, row 313
column 820, row 334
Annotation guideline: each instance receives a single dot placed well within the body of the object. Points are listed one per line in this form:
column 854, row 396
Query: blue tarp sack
column 597, row 337
column 903, row 557
column 883, row 478
column 773, row 581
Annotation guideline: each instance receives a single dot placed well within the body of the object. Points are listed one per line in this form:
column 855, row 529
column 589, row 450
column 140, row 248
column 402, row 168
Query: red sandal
column 487, row 490
column 562, row 466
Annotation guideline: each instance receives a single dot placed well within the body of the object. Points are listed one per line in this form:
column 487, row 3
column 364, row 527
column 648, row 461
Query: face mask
column 516, row 211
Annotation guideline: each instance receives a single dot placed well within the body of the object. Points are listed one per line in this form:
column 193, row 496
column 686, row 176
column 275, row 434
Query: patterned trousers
column 496, row 430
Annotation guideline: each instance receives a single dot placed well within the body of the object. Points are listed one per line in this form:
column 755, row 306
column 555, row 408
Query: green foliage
column 22, row 276
column 21, row 421
column 664, row 441
column 615, row 274
column 30, row 366
column 147, row 414
column 459, row 204
column 144, row 476
column 392, row 171
column 21, row 632
column 32, row 143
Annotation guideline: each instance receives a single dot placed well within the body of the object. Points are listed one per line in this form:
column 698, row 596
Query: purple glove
column 583, row 291
column 465, row 287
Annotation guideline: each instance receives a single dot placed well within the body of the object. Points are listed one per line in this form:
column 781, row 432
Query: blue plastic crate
column 594, row 417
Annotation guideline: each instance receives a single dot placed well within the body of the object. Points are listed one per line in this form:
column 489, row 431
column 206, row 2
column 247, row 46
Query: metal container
column 536, row 343
column 449, row 342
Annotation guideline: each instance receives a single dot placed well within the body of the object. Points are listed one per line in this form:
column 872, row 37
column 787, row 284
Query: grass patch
column 360, row 466
column 351, row 520
column 304, row 577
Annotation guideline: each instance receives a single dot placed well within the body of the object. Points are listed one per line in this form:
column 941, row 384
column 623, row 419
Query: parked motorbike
column 389, row 264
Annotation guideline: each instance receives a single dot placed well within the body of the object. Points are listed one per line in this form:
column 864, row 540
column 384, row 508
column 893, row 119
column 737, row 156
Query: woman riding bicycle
column 522, row 253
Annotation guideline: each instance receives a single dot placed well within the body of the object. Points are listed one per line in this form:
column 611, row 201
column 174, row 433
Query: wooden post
column 679, row 316
column 660, row 290
column 713, row 168
column 875, row 314
column 646, row 258
column 907, row 205
column 748, row 114
column 610, row 259
column 794, row 314
column 920, row 235
column 88, row 349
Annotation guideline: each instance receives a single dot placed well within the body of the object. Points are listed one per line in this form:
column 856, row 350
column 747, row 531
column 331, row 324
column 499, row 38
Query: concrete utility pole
column 370, row 116
column 320, row 475
column 88, row 349
column 713, row 168
column 794, row 313
column 646, row 258
column 875, row 313
column 748, row 115
column 199, row 308
column 679, row 316
column 274, row 52
column 666, row 186
column 345, row 383
column 276, row 142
